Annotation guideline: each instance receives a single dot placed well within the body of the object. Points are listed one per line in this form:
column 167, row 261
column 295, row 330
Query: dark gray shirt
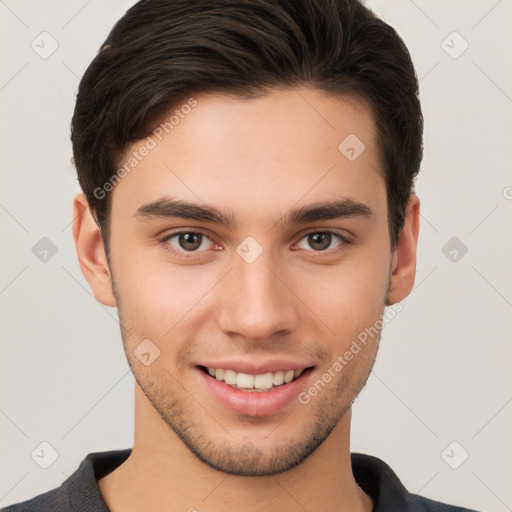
column 80, row 492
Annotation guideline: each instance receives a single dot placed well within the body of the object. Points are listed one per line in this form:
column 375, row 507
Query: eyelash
column 192, row 254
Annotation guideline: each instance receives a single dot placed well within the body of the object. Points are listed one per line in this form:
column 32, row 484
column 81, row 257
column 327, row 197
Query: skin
column 257, row 158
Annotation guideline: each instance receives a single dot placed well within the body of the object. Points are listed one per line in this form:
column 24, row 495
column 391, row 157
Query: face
column 245, row 285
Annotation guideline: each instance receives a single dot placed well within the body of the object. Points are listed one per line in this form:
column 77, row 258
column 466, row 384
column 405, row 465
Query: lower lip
column 254, row 403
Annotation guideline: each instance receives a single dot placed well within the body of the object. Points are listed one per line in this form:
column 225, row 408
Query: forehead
column 288, row 146
column 275, row 122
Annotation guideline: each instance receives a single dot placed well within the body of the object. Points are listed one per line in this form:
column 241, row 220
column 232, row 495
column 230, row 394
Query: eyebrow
column 169, row 207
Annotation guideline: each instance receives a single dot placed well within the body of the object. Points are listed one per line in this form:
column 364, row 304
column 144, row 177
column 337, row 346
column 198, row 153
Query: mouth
column 254, row 395
column 263, row 382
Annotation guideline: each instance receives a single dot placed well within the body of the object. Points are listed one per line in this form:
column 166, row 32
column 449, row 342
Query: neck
column 176, row 480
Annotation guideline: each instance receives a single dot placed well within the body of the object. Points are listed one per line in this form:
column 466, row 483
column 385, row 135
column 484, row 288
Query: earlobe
column 403, row 266
column 91, row 252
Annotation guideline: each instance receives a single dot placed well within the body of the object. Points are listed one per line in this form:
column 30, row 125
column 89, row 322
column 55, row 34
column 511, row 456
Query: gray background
column 443, row 371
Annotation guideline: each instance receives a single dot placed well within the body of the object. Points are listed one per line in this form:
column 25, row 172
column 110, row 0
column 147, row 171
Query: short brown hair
column 161, row 52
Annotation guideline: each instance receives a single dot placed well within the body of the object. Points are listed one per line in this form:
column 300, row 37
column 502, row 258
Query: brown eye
column 186, row 241
column 320, row 241
column 190, row 241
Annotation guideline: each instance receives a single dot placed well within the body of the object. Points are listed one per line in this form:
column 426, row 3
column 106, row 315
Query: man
column 247, row 170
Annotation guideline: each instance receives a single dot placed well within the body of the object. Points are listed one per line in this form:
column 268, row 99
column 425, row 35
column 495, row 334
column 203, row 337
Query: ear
column 91, row 251
column 403, row 266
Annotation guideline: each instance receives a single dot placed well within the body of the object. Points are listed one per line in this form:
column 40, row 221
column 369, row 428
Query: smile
column 248, row 382
column 257, row 394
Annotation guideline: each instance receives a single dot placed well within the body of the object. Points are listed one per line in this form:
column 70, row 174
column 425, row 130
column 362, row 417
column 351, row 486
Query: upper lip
column 257, row 368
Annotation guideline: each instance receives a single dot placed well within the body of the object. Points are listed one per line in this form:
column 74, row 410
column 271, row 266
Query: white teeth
column 261, row 382
column 243, row 380
column 278, row 378
column 230, row 376
column 288, row 376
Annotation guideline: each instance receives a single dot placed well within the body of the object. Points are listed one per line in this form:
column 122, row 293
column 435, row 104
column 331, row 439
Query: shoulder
column 383, row 485
column 79, row 492
column 55, row 500
column 422, row 504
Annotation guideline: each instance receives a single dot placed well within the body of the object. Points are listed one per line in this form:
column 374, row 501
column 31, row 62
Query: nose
column 258, row 301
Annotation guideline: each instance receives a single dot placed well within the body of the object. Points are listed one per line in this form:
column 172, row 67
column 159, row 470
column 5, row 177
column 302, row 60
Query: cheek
column 348, row 296
column 158, row 298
